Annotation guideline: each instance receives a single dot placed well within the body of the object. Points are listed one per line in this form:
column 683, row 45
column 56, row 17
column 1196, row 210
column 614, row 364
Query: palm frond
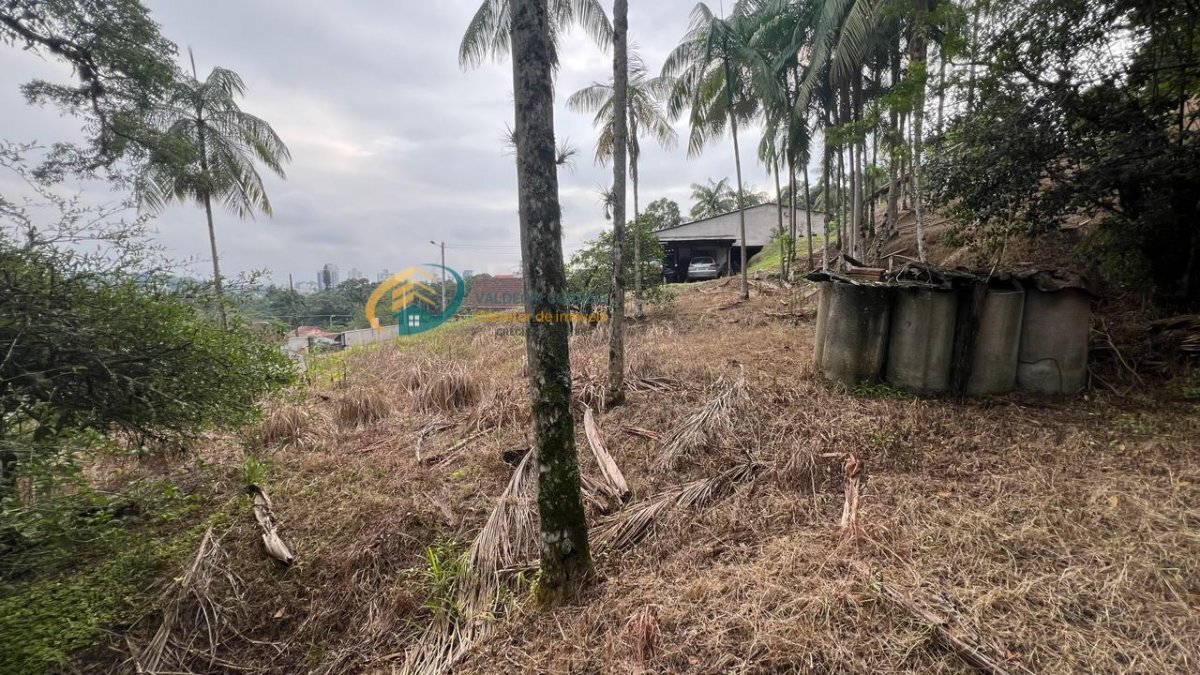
column 590, row 98
column 483, row 35
column 488, row 32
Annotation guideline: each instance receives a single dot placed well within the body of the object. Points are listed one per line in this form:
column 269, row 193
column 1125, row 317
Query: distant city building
column 306, row 287
column 355, row 274
column 384, row 275
column 328, row 277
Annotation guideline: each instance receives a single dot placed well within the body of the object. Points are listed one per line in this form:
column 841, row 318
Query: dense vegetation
column 105, row 356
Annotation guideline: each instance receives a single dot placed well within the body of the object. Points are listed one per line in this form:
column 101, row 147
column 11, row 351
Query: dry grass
column 290, row 425
column 1064, row 533
column 361, row 406
column 449, row 391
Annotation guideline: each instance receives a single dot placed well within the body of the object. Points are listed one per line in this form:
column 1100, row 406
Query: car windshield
column 702, row 261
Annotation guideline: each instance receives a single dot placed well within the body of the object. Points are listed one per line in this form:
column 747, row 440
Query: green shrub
column 89, row 351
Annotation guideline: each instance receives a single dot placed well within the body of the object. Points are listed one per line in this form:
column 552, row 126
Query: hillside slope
column 1063, row 531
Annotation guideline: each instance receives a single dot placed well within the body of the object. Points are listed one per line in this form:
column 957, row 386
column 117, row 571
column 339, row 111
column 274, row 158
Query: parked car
column 703, row 267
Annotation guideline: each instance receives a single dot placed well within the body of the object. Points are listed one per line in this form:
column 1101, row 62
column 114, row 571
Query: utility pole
column 291, row 300
column 443, row 245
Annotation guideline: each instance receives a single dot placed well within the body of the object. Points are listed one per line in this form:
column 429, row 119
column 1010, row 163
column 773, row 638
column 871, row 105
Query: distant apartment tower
column 328, row 277
column 384, row 275
column 355, row 274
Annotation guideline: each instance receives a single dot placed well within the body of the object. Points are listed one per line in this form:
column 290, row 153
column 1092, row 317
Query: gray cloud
column 393, row 144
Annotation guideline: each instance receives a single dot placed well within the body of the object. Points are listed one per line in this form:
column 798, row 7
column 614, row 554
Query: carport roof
column 761, row 222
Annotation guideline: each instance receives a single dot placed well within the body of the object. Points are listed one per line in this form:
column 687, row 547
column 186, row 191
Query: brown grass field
column 1058, row 536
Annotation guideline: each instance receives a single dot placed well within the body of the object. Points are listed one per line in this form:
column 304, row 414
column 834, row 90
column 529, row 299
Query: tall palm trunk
column 778, row 195
column 634, row 155
column 808, row 218
column 737, row 162
column 893, row 202
column 826, row 167
column 941, row 107
column 841, row 198
column 565, row 560
column 212, row 242
column 212, row 230
column 791, row 253
column 918, row 49
column 905, row 162
column 616, row 334
column 871, row 186
column 779, row 213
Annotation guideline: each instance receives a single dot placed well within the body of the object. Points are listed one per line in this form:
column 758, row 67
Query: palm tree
column 489, row 30
column 845, row 36
column 712, row 81
column 712, row 199
column 565, row 560
column 620, row 141
column 781, row 31
column 646, row 117
column 207, row 153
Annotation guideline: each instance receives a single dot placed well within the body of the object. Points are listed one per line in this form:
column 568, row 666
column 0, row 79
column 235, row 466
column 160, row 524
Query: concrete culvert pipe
column 853, row 332
column 921, row 347
column 994, row 365
column 1054, row 341
column 822, row 316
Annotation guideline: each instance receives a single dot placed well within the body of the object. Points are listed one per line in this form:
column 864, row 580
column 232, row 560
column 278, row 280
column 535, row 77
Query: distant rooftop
column 762, row 221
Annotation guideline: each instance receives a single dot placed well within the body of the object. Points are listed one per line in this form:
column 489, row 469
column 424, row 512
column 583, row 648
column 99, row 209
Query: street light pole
column 443, row 245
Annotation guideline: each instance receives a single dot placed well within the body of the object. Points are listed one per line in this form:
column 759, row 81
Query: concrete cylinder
column 822, row 315
column 855, row 336
column 1054, row 341
column 994, row 365
column 921, row 346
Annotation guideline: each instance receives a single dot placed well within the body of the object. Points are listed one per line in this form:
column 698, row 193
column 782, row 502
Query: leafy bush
column 105, row 352
column 589, row 273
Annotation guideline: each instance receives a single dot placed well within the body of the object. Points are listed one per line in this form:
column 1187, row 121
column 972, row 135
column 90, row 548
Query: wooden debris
column 728, row 305
column 436, row 426
column 1177, row 333
column 453, row 451
column 962, row 640
column 266, row 520
column 865, row 273
column 800, row 316
column 644, row 433
column 852, row 469
column 613, row 478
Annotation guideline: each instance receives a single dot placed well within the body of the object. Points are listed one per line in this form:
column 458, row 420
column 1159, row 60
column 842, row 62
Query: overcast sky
column 393, row 145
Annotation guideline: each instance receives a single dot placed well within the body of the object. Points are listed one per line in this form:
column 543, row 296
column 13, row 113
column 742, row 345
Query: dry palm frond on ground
column 708, row 426
column 640, row 519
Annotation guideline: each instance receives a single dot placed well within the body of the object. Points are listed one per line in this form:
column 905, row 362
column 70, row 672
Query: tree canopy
column 122, row 64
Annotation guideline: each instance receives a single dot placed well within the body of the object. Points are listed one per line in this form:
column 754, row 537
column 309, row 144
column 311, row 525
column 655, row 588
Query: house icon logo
column 413, row 297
